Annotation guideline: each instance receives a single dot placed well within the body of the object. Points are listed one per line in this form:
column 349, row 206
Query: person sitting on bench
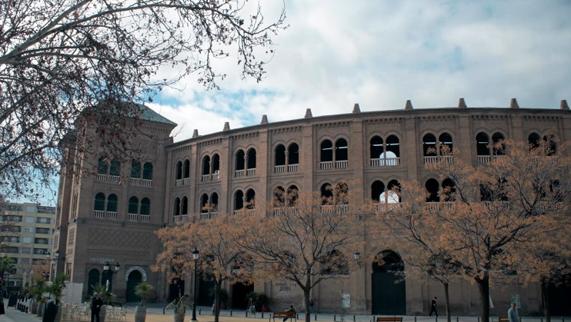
column 291, row 310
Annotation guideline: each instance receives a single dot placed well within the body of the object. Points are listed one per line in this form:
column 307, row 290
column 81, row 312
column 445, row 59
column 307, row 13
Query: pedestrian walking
column 434, row 307
column 96, row 304
column 512, row 313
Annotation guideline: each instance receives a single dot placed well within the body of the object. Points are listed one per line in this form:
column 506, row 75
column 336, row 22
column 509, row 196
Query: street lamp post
column 195, row 257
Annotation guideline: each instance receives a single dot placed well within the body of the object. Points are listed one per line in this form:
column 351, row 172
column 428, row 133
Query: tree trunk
column 447, row 299
column 217, row 289
column 307, row 304
column 545, row 299
column 484, row 288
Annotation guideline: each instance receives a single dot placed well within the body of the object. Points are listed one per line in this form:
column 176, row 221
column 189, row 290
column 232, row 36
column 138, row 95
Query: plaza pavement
column 154, row 314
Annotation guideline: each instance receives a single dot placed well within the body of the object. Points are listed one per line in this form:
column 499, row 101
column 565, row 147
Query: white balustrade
column 108, row 178
column 139, row 218
column 141, row 182
column 251, row 172
column 342, row 164
column 102, row 214
column 435, row 159
column 279, row 168
column 292, row 167
column 181, row 219
column 325, row 165
column 239, row 173
column 385, row 162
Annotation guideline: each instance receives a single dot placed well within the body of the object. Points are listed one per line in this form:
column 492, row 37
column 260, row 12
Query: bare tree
column 484, row 217
column 61, row 57
column 304, row 243
column 221, row 258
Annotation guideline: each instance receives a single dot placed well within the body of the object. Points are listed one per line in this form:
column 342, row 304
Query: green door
column 133, row 280
column 388, row 285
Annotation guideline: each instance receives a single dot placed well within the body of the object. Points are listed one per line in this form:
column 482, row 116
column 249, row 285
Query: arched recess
column 392, row 195
column 326, row 194
column 533, row 140
column 176, row 207
column 145, row 206
column 134, row 278
column 279, row 197
column 292, row 195
column 135, row 169
column 429, row 145
column 448, row 190
column 115, row 168
column 238, row 200
column 204, row 203
column 148, row 171
column 341, row 150
column 376, row 147
column 186, row 170
column 184, row 206
column 432, row 188
column 388, row 284
column 179, row 170
column 133, row 205
column 293, row 153
column 482, row 144
column 99, row 203
column 377, row 188
column 280, row 155
column 251, row 199
column 446, row 144
column 341, row 193
column 214, row 202
column 102, row 166
column 215, row 163
column 93, row 280
column 498, row 147
column 112, row 203
column 326, row 148
column 206, row 165
column 251, row 158
column 240, row 160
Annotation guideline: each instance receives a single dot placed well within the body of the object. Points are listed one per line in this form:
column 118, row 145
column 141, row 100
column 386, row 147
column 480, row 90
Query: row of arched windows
column 548, row 142
column 182, row 169
column 245, row 160
column 433, row 147
column 386, row 194
column 110, row 204
column 245, row 200
column 211, row 165
column 147, row 170
column 337, row 152
column 105, row 204
column 285, row 156
column 334, row 195
column 436, row 191
column 142, row 208
column 112, row 168
column 483, row 146
column 209, row 203
column 181, row 206
column 283, row 198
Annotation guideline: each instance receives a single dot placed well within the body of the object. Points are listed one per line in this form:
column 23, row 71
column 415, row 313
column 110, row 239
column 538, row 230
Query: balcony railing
column 139, row 218
column 325, row 165
column 245, row 211
column 334, row 209
column 181, row 219
column 239, row 173
column 342, row 164
column 182, row 182
column 251, row 172
column 210, row 177
column 108, row 178
column 328, row 165
column 435, row 206
column 141, row 182
column 383, row 207
column 102, row 214
column 283, row 211
column 385, row 162
column 432, row 160
column 208, row 215
column 279, row 169
column 292, row 167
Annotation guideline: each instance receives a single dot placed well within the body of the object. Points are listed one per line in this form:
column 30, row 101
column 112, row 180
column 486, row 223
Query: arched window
column 376, row 147
column 115, row 168
column 102, row 166
column 279, row 197
column 112, row 203
column 215, row 163
column 482, row 144
column 135, row 169
column 293, row 154
column 148, row 171
column 550, row 144
column 206, row 165
column 326, row 194
column 177, row 206
column 240, row 161
column 341, row 193
column 238, row 200
column 533, row 140
column 186, row 172
column 280, row 155
column 392, row 195
column 485, row 193
column 432, row 188
column 204, row 203
column 393, row 145
column 179, row 170
column 445, row 143
column 251, row 199
column 448, row 190
column 145, row 206
column 292, row 195
column 99, row 203
column 429, row 145
column 184, row 207
column 498, row 146
column 377, row 188
column 341, row 150
column 214, row 202
column 133, row 205
column 94, row 279
column 326, row 151
column 251, row 158
column 335, row 263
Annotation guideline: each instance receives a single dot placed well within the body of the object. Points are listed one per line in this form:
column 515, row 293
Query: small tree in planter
column 52, row 312
column 179, row 307
column 144, row 291
column 106, row 297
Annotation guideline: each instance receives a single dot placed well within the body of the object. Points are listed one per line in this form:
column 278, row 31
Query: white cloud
column 380, row 53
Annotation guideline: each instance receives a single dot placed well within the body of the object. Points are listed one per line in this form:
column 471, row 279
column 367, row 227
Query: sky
column 336, row 53
column 381, row 53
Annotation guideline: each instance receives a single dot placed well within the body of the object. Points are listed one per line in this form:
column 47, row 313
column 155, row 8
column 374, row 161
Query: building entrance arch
column 388, row 284
column 240, row 293
column 134, row 279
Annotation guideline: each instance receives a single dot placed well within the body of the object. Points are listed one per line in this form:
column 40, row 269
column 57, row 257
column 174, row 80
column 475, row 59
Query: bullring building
column 106, row 217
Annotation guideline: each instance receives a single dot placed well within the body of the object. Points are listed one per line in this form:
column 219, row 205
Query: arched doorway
column 240, row 293
column 206, row 287
column 559, row 295
column 93, row 280
column 135, row 277
column 388, row 284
